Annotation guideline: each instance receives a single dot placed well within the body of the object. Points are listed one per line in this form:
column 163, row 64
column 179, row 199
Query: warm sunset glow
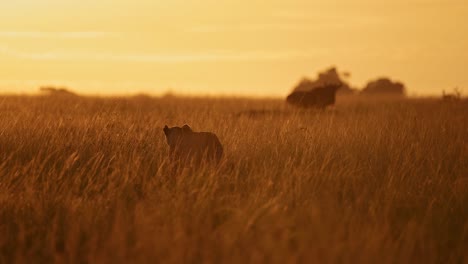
column 229, row 47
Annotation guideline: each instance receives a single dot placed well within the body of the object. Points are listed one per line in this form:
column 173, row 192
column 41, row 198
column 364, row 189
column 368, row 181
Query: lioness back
column 185, row 144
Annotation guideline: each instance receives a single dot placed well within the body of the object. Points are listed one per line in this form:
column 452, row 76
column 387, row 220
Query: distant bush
column 56, row 91
column 384, row 86
column 169, row 94
column 330, row 76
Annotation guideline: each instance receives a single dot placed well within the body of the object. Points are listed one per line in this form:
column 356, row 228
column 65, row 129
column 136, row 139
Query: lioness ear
column 166, row 130
column 186, row 128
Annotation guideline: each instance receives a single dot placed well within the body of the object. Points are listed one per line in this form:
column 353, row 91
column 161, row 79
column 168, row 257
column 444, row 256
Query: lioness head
column 174, row 134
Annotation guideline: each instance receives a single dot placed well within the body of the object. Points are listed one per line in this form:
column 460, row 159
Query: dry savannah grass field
column 88, row 180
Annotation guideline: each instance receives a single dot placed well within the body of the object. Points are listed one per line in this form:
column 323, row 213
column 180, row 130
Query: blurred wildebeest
column 455, row 96
column 320, row 97
column 185, row 145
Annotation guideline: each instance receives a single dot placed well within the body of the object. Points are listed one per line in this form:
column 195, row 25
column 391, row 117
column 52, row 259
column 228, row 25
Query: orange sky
column 256, row 47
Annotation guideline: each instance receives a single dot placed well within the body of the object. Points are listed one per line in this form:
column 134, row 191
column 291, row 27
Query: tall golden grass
column 88, row 180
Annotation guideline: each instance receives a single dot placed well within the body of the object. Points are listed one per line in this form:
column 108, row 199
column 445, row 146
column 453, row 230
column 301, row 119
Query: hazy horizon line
column 32, row 87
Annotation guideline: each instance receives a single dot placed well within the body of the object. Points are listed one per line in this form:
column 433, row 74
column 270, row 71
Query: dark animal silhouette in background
column 453, row 97
column 320, row 97
column 188, row 146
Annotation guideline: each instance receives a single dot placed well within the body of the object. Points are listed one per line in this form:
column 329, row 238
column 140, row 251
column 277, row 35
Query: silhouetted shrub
column 384, row 86
column 56, row 91
column 330, row 76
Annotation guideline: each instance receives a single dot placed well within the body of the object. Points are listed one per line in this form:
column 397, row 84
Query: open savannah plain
column 88, row 180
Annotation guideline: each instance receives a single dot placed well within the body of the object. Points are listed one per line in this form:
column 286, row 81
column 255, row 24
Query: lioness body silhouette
column 319, row 97
column 188, row 146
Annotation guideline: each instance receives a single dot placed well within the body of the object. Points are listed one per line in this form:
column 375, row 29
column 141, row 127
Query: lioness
column 187, row 145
